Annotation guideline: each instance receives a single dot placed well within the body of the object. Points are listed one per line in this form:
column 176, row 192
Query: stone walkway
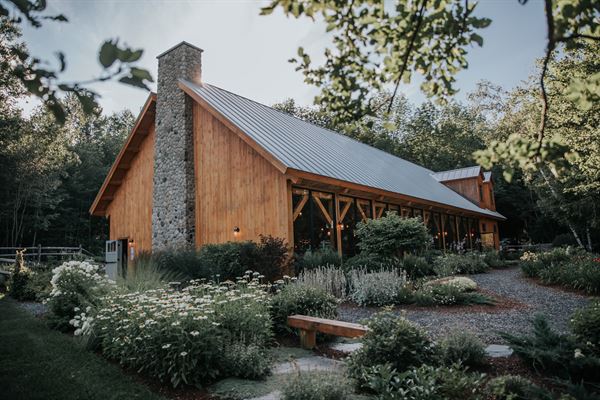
column 556, row 304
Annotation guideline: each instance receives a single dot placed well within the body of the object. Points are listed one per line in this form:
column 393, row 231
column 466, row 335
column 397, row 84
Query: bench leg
column 308, row 339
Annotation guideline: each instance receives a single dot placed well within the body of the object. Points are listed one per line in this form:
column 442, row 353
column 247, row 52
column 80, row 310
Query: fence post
column 80, row 249
column 39, row 253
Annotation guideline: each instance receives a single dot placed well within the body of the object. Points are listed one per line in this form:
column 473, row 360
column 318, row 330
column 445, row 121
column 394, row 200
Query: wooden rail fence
column 7, row 254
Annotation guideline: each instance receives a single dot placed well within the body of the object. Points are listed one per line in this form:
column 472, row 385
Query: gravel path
column 556, row 304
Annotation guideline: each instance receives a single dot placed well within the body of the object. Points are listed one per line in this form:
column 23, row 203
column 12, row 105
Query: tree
column 374, row 44
column 40, row 79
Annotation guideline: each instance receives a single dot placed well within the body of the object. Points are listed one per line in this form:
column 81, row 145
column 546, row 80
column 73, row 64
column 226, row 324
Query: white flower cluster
column 529, row 256
column 69, row 271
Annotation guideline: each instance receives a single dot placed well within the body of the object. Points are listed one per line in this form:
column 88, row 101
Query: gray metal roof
column 487, row 176
column 307, row 147
column 460, row 173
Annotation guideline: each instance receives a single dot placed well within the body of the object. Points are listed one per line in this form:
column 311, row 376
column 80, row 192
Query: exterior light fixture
column 340, row 226
column 236, row 231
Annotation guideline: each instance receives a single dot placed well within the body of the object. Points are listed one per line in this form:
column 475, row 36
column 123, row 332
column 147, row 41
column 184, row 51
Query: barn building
column 204, row 165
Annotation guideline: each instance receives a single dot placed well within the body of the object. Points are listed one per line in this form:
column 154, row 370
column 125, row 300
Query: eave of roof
column 458, row 174
column 139, row 131
column 291, row 144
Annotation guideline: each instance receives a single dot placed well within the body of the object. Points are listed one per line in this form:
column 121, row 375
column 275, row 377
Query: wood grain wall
column 468, row 188
column 130, row 210
column 235, row 187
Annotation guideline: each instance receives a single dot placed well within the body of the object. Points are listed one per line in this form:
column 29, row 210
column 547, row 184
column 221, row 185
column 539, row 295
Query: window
column 314, row 219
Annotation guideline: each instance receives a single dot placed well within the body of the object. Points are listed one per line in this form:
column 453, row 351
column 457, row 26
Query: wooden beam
column 300, row 206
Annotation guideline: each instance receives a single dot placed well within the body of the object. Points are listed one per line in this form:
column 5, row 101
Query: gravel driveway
column 556, row 304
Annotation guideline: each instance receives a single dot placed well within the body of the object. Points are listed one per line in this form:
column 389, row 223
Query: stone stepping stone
column 315, row 363
column 346, row 347
column 498, row 350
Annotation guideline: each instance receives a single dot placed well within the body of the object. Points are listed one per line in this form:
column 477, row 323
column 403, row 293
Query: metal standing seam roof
column 460, row 173
column 303, row 146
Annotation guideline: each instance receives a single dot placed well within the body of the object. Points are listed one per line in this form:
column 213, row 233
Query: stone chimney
column 173, row 211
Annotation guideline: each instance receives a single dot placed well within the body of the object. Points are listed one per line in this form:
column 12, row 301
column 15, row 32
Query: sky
column 247, row 53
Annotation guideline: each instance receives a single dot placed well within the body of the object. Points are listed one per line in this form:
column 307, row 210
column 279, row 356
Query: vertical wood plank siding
column 235, row 187
column 469, row 188
column 131, row 209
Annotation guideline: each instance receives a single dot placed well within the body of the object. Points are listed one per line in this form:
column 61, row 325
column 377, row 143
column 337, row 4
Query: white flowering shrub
column 331, row 279
column 386, row 287
column 185, row 336
column 529, row 256
column 76, row 285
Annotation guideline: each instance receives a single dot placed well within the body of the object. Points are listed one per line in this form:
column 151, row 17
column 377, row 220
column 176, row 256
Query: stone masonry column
column 173, row 211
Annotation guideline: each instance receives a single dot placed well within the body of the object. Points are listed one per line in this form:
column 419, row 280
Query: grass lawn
column 39, row 363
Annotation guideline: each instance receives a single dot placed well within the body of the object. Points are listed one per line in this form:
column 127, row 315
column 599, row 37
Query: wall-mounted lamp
column 340, row 226
column 236, row 231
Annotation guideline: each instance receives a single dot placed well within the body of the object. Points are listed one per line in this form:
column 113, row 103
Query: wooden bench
column 309, row 326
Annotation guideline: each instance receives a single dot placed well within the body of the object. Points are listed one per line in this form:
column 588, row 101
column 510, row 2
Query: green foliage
column 41, row 79
column 586, row 325
column 371, row 262
column 228, row 261
column 416, row 267
column 448, row 294
column 409, row 37
column 454, row 264
column 462, row 348
column 146, row 276
column 194, row 336
column 382, row 288
column 514, row 387
column 556, row 355
column 19, row 285
column 493, row 260
column 76, row 286
column 426, row 382
column 327, row 256
column 310, row 386
column 391, row 340
column 392, row 235
column 301, row 299
column 246, row 361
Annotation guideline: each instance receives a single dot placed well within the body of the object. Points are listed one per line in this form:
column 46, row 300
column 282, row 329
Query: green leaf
column 476, row 38
column 108, row 54
column 141, row 74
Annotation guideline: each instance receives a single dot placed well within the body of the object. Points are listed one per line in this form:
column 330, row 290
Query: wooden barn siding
column 488, row 193
column 131, row 209
column 235, row 186
column 469, row 188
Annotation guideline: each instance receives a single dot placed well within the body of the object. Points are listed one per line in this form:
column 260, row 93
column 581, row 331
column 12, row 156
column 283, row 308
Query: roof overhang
column 119, row 169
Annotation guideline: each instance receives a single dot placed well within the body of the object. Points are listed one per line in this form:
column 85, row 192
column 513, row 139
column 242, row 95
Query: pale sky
column 247, row 53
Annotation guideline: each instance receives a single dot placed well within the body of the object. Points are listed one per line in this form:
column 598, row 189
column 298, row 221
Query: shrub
column 448, row 294
column 512, row 387
column 330, row 279
column 312, row 386
column 454, row 264
column 392, row 236
column 187, row 336
column 557, row 355
column 272, row 258
column 586, row 325
column 76, row 285
column 493, row 260
column 391, row 340
column 462, row 283
column 416, row 267
column 426, row 382
column 386, row 287
column 324, row 257
column 371, row 262
column 19, row 285
column 301, row 299
column 464, row 348
column 146, row 275
column 246, row 361
column 182, row 261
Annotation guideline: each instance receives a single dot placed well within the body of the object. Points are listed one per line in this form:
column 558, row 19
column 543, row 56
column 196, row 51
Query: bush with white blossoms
column 76, row 285
column 185, row 336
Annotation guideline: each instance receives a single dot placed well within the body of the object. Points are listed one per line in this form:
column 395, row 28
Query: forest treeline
column 50, row 172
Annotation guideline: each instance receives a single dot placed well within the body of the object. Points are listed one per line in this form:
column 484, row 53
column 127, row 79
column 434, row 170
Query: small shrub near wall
column 325, row 257
column 371, row 262
column 194, row 336
column 454, row 264
column 417, row 267
column 392, row 236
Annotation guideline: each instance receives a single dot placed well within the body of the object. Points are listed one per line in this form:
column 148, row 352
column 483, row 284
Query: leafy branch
column 42, row 81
